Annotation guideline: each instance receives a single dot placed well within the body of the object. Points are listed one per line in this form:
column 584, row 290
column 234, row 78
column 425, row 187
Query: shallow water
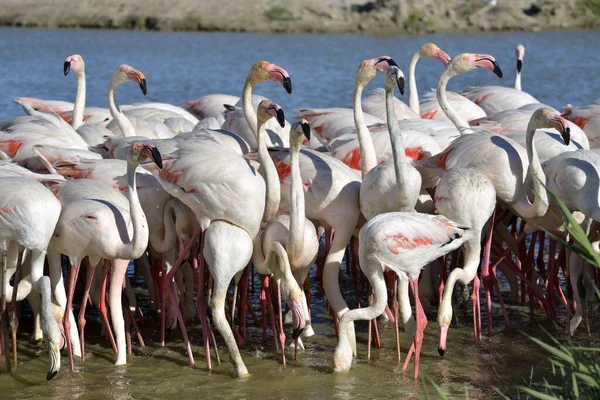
column 558, row 69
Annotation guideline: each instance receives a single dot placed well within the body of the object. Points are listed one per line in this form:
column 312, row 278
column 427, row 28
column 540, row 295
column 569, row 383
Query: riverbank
column 380, row 17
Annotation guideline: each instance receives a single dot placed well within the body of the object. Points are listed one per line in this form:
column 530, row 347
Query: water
column 559, row 67
column 183, row 66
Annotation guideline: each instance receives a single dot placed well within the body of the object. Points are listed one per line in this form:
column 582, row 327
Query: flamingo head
column 431, row 50
column 264, row 70
column 75, row 63
column 141, row 151
column 394, row 76
column 520, row 51
column 125, row 73
column 267, row 110
column 300, row 130
column 369, row 68
column 545, row 117
column 467, row 62
column 444, row 318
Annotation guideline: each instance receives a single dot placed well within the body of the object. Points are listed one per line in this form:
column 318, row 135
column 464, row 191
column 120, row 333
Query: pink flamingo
column 404, row 243
column 28, row 215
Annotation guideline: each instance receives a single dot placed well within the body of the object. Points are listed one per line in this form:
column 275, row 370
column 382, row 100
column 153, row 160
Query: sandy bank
column 385, row 17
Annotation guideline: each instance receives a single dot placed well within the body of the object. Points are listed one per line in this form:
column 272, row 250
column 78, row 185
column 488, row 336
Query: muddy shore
column 380, row 17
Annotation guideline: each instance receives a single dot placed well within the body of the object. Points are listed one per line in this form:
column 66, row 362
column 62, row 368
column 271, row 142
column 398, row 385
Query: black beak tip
column 392, row 62
column 157, row 157
column 51, row 374
column 287, row 84
column 441, row 352
column 519, row 65
column 306, row 130
column 567, row 136
column 143, row 86
column 280, row 118
column 401, row 85
column 67, row 67
column 497, row 70
column 296, row 333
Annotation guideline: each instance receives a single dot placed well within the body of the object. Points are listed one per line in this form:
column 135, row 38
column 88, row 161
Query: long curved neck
column 295, row 243
column 124, row 123
column 464, row 275
column 368, row 157
column 398, row 152
column 536, row 174
column 273, row 188
column 460, row 123
column 139, row 240
column 249, row 112
column 164, row 242
column 518, row 81
column 79, row 101
column 413, row 95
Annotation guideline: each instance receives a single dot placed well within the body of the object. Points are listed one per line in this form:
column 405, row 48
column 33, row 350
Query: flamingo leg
column 395, row 307
column 4, row 334
column 421, row 324
column 476, row 310
column 103, row 309
column 73, row 273
column 13, row 309
column 281, row 333
column 201, row 299
column 88, row 284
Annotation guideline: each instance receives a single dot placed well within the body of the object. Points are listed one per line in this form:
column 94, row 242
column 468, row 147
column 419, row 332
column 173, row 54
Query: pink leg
column 421, row 321
column 281, row 333
column 163, row 302
column 271, row 312
column 475, row 306
column 487, row 279
column 550, row 279
column 103, row 309
column 73, row 272
column 395, row 307
column 201, row 299
column 263, row 304
column 86, row 294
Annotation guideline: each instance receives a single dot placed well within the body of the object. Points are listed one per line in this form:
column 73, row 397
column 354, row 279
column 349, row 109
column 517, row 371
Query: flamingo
column 28, row 215
column 294, row 232
column 587, row 118
column 493, row 99
column 467, row 196
column 394, row 185
column 76, row 64
column 102, row 229
column 404, row 243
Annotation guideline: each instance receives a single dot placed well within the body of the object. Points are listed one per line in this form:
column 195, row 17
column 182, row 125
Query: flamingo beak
column 296, row 333
column 156, row 157
column 280, row 117
column 287, row 84
column 497, row 69
column 401, row 84
column 54, row 365
column 306, row 129
column 143, row 86
column 519, row 65
column 67, row 67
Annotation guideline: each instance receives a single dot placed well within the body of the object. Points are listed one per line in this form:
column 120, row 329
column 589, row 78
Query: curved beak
column 306, row 129
column 156, row 157
column 280, row 117
column 497, row 69
column 442, row 342
column 401, row 84
column 54, row 364
column 443, row 57
column 143, row 85
column 287, row 84
column 566, row 135
column 296, row 333
column 519, row 65
column 67, row 67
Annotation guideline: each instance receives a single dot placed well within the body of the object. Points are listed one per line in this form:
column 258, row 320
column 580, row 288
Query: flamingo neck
column 249, row 112
column 536, row 174
column 273, row 188
column 518, row 81
column 139, row 240
column 295, row 243
column 464, row 275
column 124, row 123
column 398, row 152
column 461, row 124
column 368, row 157
column 162, row 242
column 413, row 95
column 79, row 101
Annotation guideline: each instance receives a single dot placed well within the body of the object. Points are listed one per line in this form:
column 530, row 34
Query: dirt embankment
column 385, row 17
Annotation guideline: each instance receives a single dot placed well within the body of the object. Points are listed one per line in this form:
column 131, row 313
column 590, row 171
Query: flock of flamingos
column 201, row 193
